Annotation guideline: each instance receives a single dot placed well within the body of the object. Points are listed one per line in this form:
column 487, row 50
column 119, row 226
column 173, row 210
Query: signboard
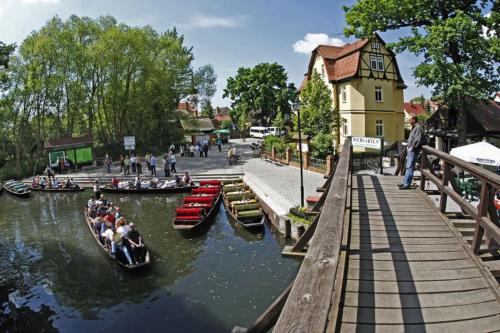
column 305, row 147
column 360, row 141
column 129, row 142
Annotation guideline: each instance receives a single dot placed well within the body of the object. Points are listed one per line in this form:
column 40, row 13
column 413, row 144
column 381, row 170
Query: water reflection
column 50, row 265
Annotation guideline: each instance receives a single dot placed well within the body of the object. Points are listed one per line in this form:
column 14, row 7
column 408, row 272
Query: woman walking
column 173, row 160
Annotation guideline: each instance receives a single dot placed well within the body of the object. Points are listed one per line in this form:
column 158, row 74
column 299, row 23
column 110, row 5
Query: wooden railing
column 487, row 223
column 315, row 294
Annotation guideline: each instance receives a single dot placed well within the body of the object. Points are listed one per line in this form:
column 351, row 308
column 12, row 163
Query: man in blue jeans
column 414, row 144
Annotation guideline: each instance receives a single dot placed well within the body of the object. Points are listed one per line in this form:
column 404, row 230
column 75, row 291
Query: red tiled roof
column 413, row 108
column 64, row 142
column 336, row 52
column 304, row 82
column 342, row 68
column 223, row 117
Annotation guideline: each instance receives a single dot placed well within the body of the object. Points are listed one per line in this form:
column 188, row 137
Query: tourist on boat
column 118, row 214
column 111, row 208
column 168, row 184
column 67, row 184
column 153, row 165
column 135, row 242
column 177, row 180
column 166, row 165
column 115, row 181
column 55, row 183
column 34, row 183
column 173, row 160
column 43, row 183
column 123, row 227
column 92, row 202
column 99, row 226
column 187, row 180
column 103, row 200
column 97, row 189
column 137, row 183
column 74, row 183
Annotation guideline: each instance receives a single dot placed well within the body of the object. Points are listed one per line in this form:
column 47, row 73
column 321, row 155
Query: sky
column 227, row 34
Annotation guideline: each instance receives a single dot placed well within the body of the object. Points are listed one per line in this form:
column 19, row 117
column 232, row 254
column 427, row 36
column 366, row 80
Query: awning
column 480, row 153
column 222, row 131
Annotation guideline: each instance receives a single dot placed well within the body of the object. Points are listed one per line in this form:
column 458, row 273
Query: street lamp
column 296, row 107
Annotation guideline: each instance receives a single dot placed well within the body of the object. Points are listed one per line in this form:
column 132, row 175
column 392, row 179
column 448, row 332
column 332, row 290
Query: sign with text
column 129, row 142
column 360, row 141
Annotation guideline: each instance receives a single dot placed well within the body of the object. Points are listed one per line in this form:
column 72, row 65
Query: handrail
column 489, row 182
column 307, row 306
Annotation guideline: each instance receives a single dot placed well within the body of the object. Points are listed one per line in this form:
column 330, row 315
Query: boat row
column 17, row 189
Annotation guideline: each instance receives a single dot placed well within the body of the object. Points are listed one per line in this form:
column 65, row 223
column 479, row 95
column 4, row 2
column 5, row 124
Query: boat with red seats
column 200, row 207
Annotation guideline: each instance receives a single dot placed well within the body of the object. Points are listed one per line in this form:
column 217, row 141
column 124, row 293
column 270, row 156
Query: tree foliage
column 263, row 88
column 316, row 113
column 457, row 42
column 97, row 77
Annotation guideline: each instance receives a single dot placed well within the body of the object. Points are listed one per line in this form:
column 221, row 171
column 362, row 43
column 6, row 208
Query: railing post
column 288, row 155
column 423, row 164
column 307, row 160
column 446, row 179
column 329, row 164
column 481, row 212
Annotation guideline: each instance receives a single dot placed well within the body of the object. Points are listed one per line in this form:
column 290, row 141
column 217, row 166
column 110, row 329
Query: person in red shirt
column 115, row 182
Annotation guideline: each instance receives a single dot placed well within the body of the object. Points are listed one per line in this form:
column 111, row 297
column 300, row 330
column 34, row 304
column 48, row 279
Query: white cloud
column 29, row 2
column 209, row 21
column 487, row 34
column 311, row 40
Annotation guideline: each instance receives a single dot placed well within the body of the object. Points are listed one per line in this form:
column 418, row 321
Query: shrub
column 321, row 145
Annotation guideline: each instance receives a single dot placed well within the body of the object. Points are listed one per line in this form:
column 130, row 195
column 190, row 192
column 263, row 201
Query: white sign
column 129, row 142
column 360, row 141
column 305, row 147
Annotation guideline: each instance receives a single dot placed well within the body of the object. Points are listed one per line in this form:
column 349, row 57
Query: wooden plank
column 412, row 265
column 394, row 214
column 476, row 325
column 408, row 248
column 403, row 234
column 431, row 300
column 306, row 309
column 402, row 241
column 396, row 227
column 434, row 275
column 389, row 210
column 420, row 316
column 403, row 256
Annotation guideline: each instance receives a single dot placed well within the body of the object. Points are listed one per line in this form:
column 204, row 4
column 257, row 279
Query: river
column 54, row 277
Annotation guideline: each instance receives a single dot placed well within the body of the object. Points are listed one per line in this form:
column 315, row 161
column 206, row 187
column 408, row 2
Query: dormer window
column 376, row 45
column 377, row 63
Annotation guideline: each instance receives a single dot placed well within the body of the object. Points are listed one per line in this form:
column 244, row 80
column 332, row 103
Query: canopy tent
column 480, row 152
column 222, row 131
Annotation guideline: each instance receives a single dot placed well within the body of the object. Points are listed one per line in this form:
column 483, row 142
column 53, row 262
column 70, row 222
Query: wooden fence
column 485, row 215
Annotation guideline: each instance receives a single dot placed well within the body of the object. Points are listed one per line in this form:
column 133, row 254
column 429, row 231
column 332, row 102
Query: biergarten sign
column 360, row 141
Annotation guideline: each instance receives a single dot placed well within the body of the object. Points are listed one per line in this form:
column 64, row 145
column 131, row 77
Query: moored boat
column 243, row 206
column 17, row 189
column 38, row 189
column 119, row 258
column 175, row 189
column 199, row 208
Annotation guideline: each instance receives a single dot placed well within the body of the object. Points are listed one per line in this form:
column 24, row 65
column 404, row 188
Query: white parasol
column 480, row 153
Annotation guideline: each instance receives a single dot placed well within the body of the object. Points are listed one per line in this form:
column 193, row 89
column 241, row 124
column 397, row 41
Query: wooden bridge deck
column 408, row 269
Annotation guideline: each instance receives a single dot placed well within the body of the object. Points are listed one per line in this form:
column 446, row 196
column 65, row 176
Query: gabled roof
column 487, row 113
column 197, row 125
column 413, row 108
column 68, row 142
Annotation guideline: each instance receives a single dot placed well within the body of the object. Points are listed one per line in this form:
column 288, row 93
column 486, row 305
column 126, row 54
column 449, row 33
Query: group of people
column 200, row 148
column 113, row 230
column 51, row 182
column 133, row 164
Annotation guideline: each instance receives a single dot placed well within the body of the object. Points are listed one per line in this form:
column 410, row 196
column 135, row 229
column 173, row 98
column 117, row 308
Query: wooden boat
column 180, row 189
column 38, row 189
column 243, row 207
column 17, row 189
column 200, row 208
column 119, row 259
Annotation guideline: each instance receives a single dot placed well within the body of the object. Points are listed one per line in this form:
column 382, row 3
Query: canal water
column 54, row 277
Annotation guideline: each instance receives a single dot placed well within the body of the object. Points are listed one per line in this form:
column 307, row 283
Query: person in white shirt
column 173, row 160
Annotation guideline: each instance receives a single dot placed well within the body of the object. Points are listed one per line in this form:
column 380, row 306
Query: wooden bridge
column 384, row 260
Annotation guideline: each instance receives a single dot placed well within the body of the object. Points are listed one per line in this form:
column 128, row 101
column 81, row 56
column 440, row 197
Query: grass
column 299, row 220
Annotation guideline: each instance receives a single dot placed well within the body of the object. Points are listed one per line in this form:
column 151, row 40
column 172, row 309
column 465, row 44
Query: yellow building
column 366, row 87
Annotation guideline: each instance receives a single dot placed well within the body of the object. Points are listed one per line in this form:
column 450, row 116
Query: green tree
column 263, row 88
column 316, row 112
column 226, row 124
column 207, row 110
column 321, row 145
column 5, row 51
column 205, row 85
column 460, row 60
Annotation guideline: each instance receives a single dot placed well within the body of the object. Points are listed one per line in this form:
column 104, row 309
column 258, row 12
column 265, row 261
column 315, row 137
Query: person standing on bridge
column 414, row 144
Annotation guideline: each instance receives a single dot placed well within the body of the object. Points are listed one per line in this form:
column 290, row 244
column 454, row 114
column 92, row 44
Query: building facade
column 366, row 86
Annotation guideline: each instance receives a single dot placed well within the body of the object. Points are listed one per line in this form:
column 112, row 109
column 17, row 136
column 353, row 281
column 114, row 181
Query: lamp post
column 297, row 108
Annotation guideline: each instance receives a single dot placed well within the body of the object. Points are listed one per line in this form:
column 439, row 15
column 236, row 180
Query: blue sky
column 227, row 34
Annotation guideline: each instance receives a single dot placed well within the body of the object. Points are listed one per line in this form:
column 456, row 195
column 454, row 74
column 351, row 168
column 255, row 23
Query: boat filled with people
column 242, row 205
column 52, row 184
column 17, row 189
column 121, row 241
column 155, row 185
column 200, row 207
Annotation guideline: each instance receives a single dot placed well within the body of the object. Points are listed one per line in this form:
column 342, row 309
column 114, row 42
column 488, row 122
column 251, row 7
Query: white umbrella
column 480, row 152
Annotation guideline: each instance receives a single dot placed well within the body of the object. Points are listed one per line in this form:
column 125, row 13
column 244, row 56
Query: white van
column 258, row 132
column 274, row 131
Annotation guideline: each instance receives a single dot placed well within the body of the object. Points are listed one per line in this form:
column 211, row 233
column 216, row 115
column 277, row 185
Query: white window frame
column 379, row 91
column 379, row 126
column 343, row 94
column 345, row 129
column 376, row 45
column 377, row 63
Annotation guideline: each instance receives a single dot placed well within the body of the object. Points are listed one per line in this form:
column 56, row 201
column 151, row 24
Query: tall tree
column 263, row 88
column 204, row 84
column 458, row 43
column 316, row 112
